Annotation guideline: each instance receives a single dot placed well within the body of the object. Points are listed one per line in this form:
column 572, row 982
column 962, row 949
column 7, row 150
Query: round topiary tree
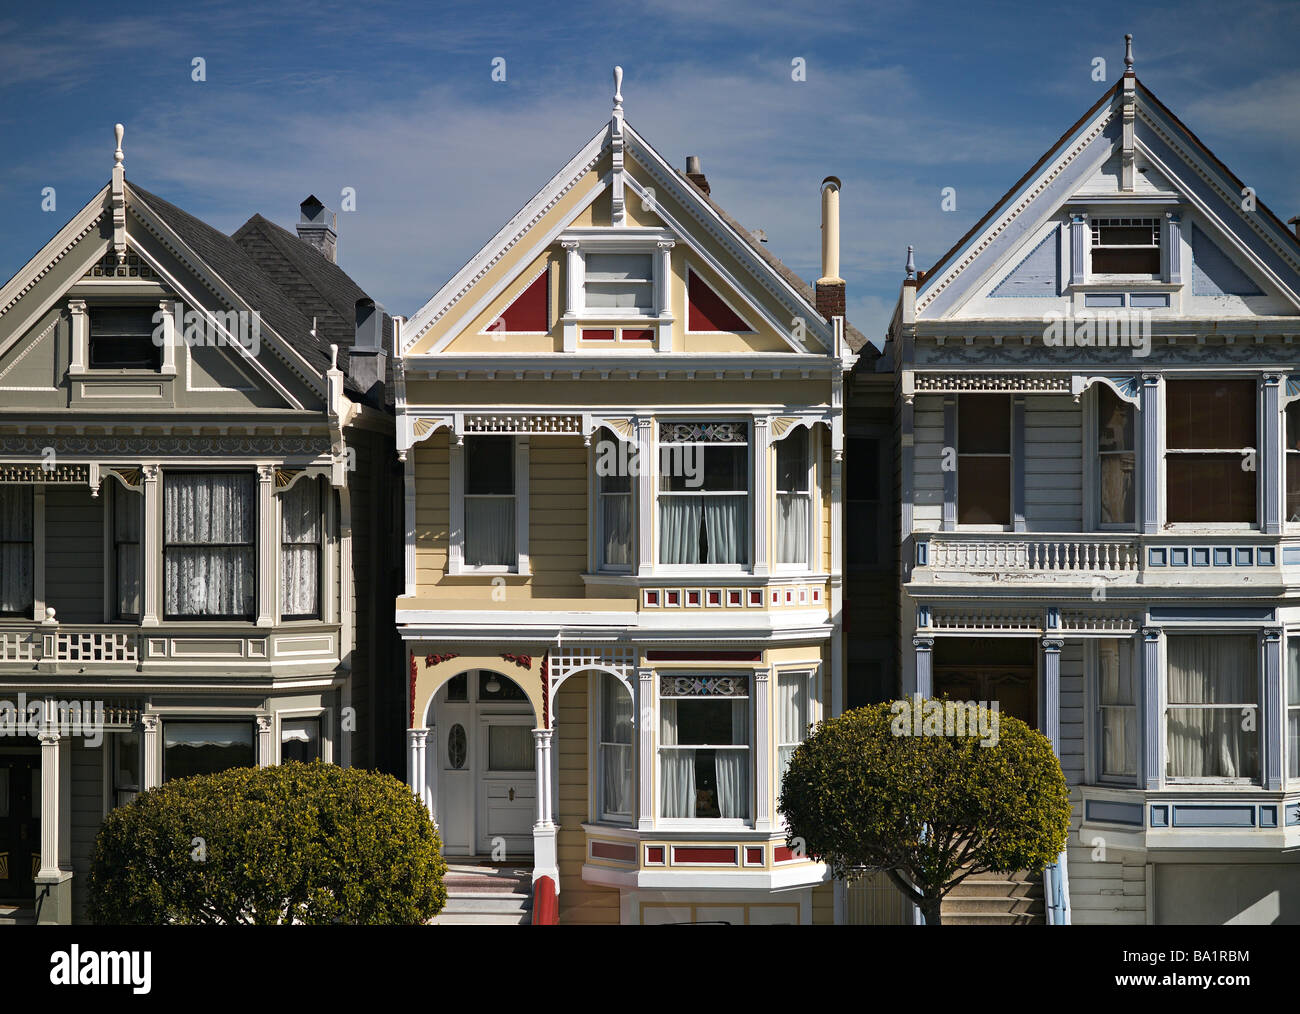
column 298, row 843
column 927, row 798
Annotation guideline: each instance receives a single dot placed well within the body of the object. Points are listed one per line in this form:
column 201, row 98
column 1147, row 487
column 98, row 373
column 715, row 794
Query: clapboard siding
column 580, row 902
column 87, row 814
column 1072, row 711
column 1106, row 887
column 927, row 468
column 74, row 554
column 1053, row 464
column 557, row 488
column 432, row 509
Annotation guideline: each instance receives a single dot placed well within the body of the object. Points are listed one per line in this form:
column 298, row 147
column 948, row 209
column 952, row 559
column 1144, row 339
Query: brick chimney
column 830, row 286
column 318, row 226
column 368, row 356
column 694, row 173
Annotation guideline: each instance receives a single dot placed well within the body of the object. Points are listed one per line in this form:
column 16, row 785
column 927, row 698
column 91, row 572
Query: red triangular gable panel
column 530, row 310
column 706, row 311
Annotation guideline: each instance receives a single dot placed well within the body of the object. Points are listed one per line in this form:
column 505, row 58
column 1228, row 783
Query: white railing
column 20, row 646
column 1069, row 554
column 49, row 642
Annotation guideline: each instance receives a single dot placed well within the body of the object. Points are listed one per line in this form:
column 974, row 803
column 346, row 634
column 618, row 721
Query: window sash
column 209, row 561
column 793, row 713
column 17, row 560
column 128, row 510
column 1204, row 737
column 615, row 751
column 301, row 531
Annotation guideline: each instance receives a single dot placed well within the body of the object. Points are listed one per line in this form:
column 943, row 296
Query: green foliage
column 305, row 843
column 929, row 810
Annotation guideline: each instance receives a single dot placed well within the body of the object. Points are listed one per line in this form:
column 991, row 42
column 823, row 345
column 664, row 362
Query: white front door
column 507, row 793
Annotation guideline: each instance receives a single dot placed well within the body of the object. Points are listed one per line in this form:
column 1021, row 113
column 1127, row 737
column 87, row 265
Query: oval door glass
column 456, row 747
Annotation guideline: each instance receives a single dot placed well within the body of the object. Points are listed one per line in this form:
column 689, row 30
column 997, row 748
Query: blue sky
column 397, row 100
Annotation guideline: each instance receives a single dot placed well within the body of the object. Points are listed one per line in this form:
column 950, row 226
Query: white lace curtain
column 615, row 748
column 511, row 748
column 1118, row 689
column 791, row 718
column 127, row 508
column 616, row 529
column 208, row 528
column 490, row 531
column 15, row 549
column 793, row 517
column 300, row 539
column 1212, row 717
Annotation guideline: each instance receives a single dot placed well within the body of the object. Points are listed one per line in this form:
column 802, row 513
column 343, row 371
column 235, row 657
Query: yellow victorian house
column 621, row 428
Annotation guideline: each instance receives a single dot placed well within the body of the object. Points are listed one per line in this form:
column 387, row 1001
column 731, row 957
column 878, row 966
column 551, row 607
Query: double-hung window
column 984, row 459
column 704, row 747
column 127, row 510
column 209, row 529
column 16, row 585
column 1210, row 451
column 490, row 502
column 614, row 506
column 1117, row 710
column 1293, row 707
column 300, row 545
column 1212, row 717
column 621, row 283
column 615, row 750
column 704, row 506
column 792, row 717
column 300, row 740
column 1116, row 458
column 204, row 748
column 793, row 498
column 122, row 338
column 1293, row 462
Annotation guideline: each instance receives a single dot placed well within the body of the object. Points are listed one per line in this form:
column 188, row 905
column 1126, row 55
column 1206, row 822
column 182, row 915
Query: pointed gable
column 707, row 311
column 530, row 311
column 1214, row 273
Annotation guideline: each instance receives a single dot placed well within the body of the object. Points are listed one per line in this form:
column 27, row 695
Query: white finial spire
column 911, row 264
column 334, row 350
column 118, row 131
column 618, row 90
column 1128, row 54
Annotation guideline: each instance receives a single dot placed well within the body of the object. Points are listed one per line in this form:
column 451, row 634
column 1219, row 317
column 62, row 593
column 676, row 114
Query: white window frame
column 1093, row 452
column 702, row 569
column 813, row 447
column 577, row 243
column 1288, row 457
column 596, row 550
column 1289, row 706
column 456, row 546
column 1133, row 220
column 1013, row 449
column 1165, row 453
column 808, row 676
column 751, row 751
column 1125, row 648
column 321, row 715
column 1262, row 730
column 597, row 688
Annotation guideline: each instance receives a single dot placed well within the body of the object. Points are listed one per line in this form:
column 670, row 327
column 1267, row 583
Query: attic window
column 122, row 338
column 623, row 282
column 1126, row 246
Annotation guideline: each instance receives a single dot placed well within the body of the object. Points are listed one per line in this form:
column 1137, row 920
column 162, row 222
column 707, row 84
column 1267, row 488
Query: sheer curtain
column 1204, row 741
column 15, row 549
column 490, row 531
column 792, row 719
column 511, row 748
column 1119, row 735
column 676, row 767
column 209, row 523
column 127, row 508
column 732, row 768
column 1293, row 707
column 793, row 517
column 679, row 528
column 300, row 538
column 616, row 748
column 725, row 528
column 616, row 529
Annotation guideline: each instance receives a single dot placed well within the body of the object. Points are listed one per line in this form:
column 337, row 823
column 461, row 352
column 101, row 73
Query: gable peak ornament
column 1128, row 53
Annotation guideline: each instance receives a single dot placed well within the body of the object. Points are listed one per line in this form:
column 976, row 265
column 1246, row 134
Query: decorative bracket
column 1126, row 388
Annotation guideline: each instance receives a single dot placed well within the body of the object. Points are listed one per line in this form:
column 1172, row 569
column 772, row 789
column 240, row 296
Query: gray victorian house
column 198, row 518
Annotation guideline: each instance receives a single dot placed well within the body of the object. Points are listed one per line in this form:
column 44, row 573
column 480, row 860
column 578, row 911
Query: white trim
column 456, row 527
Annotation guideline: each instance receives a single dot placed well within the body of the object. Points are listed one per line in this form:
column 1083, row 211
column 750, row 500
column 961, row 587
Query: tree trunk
column 930, row 910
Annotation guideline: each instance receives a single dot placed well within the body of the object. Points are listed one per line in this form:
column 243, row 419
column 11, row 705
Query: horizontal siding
column 87, row 815
column 432, row 508
column 74, row 554
column 557, row 489
column 1072, row 711
column 1053, row 464
column 927, row 470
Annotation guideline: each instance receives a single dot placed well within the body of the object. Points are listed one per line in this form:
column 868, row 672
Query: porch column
column 546, row 863
column 1272, row 725
column 152, row 752
column 762, row 750
column 430, row 768
column 415, row 755
column 151, row 544
column 1150, row 453
column 54, row 876
column 1051, row 716
column 1151, row 707
column 265, row 741
column 924, row 648
column 645, row 704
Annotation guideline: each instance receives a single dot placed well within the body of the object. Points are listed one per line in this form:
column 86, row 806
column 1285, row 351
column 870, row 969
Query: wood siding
column 74, row 554
column 1053, row 464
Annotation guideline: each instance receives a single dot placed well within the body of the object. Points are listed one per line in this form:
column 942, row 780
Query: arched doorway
column 484, row 768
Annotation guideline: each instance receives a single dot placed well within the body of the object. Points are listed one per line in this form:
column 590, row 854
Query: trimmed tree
column 874, row 791
column 297, row 843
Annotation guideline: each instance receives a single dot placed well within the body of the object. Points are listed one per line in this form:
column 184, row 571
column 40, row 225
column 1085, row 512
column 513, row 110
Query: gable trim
column 23, row 355
column 94, row 252
column 54, row 251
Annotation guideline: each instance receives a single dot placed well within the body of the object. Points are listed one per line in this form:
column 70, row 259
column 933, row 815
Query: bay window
column 704, row 747
column 204, row 748
column 1116, row 460
column 16, row 584
column 209, row 525
column 127, row 510
column 1212, row 717
column 490, row 502
column 300, row 545
column 984, row 459
column 704, row 507
column 1117, row 710
column 1209, row 451
column 614, row 748
column 792, row 717
column 1293, row 706
column 793, row 498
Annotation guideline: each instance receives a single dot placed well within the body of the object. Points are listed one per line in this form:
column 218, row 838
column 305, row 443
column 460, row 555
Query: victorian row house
column 622, row 431
column 1100, row 509
column 198, row 483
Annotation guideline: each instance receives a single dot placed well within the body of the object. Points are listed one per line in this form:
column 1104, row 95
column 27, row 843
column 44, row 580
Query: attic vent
column 1126, row 246
column 133, row 267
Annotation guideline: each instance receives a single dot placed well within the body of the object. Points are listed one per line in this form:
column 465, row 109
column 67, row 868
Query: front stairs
column 997, row 899
column 480, row 893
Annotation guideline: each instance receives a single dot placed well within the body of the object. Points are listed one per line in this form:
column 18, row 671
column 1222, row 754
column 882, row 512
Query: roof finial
column 334, row 350
column 118, row 131
column 911, row 264
column 1128, row 54
column 618, row 90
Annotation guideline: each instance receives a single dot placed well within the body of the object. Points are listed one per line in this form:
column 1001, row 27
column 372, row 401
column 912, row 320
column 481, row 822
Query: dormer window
column 122, row 338
column 1126, row 246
